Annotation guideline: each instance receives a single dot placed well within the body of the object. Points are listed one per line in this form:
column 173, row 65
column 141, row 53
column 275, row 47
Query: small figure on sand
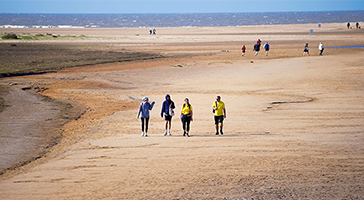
column 167, row 110
column 266, row 47
column 150, row 32
column 357, row 25
column 154, row 31
column 186, row 117
column 348, row 25
column 256, row 48
column 321, row 48
column 305, row 50
column 144, row 108
column 219, row 110
column 243, row 50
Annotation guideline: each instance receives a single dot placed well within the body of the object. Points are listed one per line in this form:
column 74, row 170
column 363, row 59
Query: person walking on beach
column 266, row 47
column 220, row 114
column 167, row 110
column 243, row 50
column 348, row 25
column 321, row 48
column 186, row 117
column 305, row 50
column 259, row 42
column 357, row 24
column 150, row 32
column 154, row 31
column 256, row 48
column 144, row 108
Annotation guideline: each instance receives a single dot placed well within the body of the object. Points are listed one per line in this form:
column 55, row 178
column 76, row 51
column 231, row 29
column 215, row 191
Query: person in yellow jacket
column 186, row 117
column 220, row 114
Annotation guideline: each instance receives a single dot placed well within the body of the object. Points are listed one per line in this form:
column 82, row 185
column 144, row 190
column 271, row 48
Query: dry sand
column 294, row 127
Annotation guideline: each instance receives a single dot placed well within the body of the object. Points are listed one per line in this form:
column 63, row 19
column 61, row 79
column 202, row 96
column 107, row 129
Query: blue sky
column 175, row 6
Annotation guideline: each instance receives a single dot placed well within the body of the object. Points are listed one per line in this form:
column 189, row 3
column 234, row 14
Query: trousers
column 146, row 124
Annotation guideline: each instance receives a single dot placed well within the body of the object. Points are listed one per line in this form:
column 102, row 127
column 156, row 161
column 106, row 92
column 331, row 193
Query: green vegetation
column 39, row 36
column 9, row 36
column 31, row 58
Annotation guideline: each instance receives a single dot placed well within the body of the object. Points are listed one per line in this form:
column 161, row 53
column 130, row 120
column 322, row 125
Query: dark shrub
column 9, row 36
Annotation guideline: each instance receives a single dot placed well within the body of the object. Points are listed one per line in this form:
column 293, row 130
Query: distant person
column 243, row 50
column 150, row 32
column 186, row 117
column 321, row 48
column 154, row 31
column 348, row 25
column 144, row 108
column 256, row 49
column 167, row 110
column 259, row 42
column 266, row 47
column 220, row 114
column 305, row 50
column 357, row 24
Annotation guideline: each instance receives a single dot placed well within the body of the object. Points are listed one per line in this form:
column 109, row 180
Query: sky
column 175, row 6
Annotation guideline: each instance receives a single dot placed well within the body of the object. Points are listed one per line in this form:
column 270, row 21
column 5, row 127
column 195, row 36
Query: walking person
column 348, row 25
column 186, row 117
column 167, row 110
column 357, row 24
column 305, row 50
column 266, row 47
column 259, row 42
column 321, row 48
column 256, row 49
column 144, row 109
column 220, row 114
column 243, row 50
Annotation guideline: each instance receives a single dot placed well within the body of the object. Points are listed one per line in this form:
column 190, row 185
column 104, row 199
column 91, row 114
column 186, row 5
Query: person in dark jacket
column 167, row 110
column 256, row 48
column 266, row 47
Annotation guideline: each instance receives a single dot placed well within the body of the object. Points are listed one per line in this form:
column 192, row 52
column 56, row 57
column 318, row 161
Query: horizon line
column 191, row 12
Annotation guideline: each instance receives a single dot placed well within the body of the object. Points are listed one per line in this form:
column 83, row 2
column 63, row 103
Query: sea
column 175, row 20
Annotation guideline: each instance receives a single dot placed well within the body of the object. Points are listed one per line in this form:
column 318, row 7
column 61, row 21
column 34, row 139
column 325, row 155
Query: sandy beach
column 294, row 126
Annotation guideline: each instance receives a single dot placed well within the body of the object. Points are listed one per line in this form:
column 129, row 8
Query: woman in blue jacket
column 144, row 108
column 167, row 110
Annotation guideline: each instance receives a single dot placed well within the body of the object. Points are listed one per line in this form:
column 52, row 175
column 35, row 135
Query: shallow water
column 347, row 47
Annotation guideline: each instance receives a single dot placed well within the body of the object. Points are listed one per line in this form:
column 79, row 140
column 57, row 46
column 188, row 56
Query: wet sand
column 294, row 126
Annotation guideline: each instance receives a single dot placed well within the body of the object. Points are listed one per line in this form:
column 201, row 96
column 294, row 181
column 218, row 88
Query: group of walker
column 267, row 47
column 186, row 115
column 320, row 48
column 256, row 48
